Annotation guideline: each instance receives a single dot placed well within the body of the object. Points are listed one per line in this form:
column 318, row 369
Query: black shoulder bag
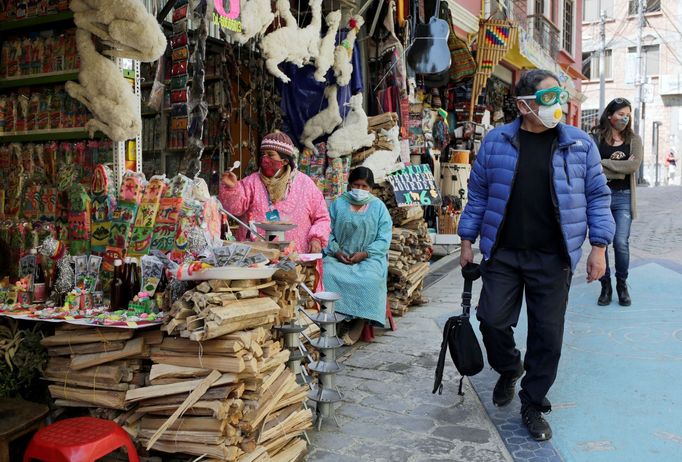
column 460, row 337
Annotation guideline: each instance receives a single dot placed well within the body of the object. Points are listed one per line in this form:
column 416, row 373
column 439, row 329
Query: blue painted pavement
column 618, row 394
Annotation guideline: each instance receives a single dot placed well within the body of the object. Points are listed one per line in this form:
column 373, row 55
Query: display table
column 17, row 418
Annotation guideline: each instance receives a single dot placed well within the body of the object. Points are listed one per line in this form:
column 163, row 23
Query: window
column 651, row 6
column 591, row 9
column 569, row 10
column 589, row 118
column 591, row 65
column 650, row 61
column 539, row 7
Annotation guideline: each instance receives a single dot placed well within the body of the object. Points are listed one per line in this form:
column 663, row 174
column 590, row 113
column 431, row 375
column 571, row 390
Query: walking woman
column 279, row 192
column 356, row 262
column 621, row 154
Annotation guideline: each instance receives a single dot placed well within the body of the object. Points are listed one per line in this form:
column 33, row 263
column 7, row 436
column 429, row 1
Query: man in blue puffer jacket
column 535, row 189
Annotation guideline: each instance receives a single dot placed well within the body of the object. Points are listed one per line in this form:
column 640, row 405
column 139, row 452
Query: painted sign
column 228, row 19
column 415, row 185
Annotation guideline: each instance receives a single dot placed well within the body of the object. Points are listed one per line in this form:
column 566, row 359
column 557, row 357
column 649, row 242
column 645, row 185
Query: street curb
column 435, row 266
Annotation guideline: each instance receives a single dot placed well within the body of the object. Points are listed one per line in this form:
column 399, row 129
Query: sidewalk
column 389, row 412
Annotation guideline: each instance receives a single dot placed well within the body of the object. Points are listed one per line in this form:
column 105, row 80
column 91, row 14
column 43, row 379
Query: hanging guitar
column 429, row 52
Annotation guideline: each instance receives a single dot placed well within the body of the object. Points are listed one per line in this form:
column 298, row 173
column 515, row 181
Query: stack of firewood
column 94, row 367
column 409, row 254
column 376, row 124
column 384, row 121
column 219, row 383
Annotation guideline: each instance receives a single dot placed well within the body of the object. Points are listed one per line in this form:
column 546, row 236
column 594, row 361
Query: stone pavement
column 389, row 412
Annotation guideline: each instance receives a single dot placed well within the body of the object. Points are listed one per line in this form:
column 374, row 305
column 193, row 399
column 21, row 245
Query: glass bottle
column 117, row 286
column 134, row 282
column 39, row 286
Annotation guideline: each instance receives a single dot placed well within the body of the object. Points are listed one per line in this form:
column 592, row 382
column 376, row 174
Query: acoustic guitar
column 429, row 52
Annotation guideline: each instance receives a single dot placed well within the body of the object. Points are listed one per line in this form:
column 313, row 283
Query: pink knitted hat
column 279, row 142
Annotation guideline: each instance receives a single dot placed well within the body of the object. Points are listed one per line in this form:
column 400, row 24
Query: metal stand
column 274, row 233
column 325, row 393
column 291, row 336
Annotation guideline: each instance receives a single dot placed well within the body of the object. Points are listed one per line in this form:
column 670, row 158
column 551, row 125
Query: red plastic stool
column 83, row 439
column 368, row 331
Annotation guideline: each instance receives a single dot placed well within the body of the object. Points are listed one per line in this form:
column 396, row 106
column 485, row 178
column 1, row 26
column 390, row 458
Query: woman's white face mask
column 549, row 116
column 359, row 194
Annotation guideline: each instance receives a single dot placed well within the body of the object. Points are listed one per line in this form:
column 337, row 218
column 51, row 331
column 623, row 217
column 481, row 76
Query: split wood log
column 86, row 348
column 155, row 391
column 219, row 451
column 218, row 346
column 133, row 347
column 257, row 455
column 168, row 371
column 291, row 452
column 196, row 394
column 106, row 398
column 221, row 363
column 99, row 335
column 268, row 401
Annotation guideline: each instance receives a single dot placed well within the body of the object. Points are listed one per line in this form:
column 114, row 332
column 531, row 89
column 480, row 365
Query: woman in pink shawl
column 279, row 192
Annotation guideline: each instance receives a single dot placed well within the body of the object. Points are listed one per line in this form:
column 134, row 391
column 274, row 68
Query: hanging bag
column 463, row 63
column 459, row 336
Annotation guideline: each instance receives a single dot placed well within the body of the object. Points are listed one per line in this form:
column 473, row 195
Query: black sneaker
column 537, row 426
column 504, row 388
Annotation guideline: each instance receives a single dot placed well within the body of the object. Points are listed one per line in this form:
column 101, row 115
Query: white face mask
column 359, row 194
column 549, row 116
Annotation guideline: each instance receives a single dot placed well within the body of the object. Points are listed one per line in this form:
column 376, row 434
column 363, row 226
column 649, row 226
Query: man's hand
column 466, row 254
column 230, row 179
column 342, row 257
column 315, row 246
column 596, row 264
column 357, row 257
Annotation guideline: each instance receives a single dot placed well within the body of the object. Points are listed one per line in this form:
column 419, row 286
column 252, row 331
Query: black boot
column 505, row 387
column 606, row 293
column 537, row 426
column 623, row 295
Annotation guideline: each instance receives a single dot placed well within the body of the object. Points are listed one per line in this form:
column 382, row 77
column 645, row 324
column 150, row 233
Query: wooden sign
column 415, row 185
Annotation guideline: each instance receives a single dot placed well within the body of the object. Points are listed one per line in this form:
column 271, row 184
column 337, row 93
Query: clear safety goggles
column 548, row 96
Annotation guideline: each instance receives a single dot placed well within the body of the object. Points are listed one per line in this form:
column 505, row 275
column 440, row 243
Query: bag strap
column 466, row 296
column 438, row 382
column 470, row 273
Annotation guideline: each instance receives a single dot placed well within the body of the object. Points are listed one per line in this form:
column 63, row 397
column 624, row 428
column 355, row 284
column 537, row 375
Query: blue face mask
column 359, row 194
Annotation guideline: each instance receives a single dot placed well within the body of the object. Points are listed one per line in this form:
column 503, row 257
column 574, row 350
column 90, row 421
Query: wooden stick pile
column 95, row 367
column 409, row 253
column 219, row 386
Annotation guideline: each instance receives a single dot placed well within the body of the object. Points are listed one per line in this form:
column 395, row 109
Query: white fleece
column 125, row 25
column 353, row 133
column 325, row 58
column 291, row 43
column 324, row 122
column 343, row 66
column 105, row 92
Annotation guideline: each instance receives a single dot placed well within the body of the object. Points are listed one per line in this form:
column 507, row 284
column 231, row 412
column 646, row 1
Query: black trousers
column 545, row 278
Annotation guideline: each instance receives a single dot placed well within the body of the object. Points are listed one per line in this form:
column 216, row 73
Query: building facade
column 661, row 74
column 549, row 37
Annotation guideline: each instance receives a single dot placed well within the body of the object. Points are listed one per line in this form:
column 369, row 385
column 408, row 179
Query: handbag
column 464, row 64
column 459, row 336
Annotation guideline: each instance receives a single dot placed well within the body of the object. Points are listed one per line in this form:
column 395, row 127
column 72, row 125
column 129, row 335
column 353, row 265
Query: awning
column 516, row 58
column 573, row 72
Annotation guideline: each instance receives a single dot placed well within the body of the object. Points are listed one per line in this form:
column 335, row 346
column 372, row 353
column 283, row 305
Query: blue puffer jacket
column 580, row 190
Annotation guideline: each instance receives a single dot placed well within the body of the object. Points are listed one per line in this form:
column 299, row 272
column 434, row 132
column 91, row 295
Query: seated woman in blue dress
column 356, row 262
